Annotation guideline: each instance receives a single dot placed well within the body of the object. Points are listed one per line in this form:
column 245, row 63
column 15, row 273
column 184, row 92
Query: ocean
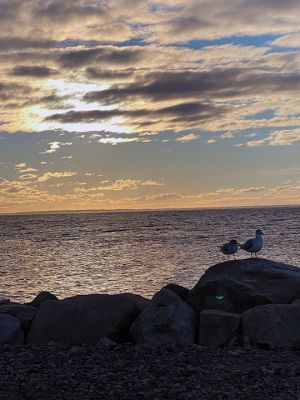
column 139, row 252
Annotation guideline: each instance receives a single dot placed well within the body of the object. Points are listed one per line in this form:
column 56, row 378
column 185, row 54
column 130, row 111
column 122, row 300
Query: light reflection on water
column 136, row 252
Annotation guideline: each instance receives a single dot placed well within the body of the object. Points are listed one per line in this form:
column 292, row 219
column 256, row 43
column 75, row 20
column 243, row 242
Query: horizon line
column 119, row 210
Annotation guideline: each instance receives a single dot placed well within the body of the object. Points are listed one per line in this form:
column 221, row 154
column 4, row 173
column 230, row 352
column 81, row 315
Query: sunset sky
column 149, row 104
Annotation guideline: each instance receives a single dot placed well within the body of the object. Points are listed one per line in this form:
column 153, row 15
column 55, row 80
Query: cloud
column 109, row 74
column 54, row 146
column 277, row 138
column 152, row 182
column 292, row 40
column 109, row 55
column 22, row 168
column 51, row 175
column 19, row 43
column 32, row 71
column 188, row 138
column 218, row 83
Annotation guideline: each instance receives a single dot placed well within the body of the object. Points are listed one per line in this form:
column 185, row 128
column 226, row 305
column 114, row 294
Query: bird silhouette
column 230, row 248
column 254, row 245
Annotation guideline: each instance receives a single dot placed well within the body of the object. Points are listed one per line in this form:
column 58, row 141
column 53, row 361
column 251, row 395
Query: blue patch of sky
column 266, row 114
column 279, row 49
column 257, row 41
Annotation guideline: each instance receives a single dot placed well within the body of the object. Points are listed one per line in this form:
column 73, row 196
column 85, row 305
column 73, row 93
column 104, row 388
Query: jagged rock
column 41, row 297
column 181, row 291
column 217, row 327
column 236, row 286
column 273, row 325
column 23, row 313
column 86, row 319
column 168, row 320
column 10, row 330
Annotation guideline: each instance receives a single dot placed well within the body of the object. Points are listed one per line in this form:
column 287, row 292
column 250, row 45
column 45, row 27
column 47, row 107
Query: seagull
column 254, row 245
column 230, row 248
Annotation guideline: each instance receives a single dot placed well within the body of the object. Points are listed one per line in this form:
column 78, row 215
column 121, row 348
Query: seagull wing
column 225, row 248
column 247, row 245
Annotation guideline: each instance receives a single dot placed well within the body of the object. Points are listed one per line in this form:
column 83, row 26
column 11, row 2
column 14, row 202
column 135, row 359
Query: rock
column 181, row 291
column 106, row 342
column 236, row 286
column 10, row 330
column 86, row 319
column 273, row 325
column 168, row 320
column 4, row 301
column 217, row 327
column 41, row 297
column 165, row 297
column 23, row 313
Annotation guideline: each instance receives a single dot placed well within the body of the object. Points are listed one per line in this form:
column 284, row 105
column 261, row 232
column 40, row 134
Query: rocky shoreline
column 246, row 302
column 128, row 372
column 236, row 334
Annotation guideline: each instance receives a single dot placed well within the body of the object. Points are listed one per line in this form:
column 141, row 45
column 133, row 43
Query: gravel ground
column 142, row 372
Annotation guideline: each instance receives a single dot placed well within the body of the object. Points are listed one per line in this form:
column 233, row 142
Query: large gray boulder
column 168, row 320
column 218, row 328
column 86, row 319
column 272, row 326
column 23, row 313
column 236, row 286
column 10, row 330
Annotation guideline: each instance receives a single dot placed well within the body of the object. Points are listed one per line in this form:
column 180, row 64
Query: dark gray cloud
column 64, row 10
column 8, row 9
column 109, row 55
column 10, row 90
column 108, row 74
column 32, row 71
column 194, row 111
column 217, row 83
column 17, row 43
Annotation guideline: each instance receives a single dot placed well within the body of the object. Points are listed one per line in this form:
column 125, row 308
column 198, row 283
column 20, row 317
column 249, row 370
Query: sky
column 149, row 104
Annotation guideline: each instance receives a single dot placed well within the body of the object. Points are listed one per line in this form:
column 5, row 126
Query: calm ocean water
column 136, row 252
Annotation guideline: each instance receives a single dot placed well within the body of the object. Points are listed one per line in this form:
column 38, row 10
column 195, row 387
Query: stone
column 23, row 313
column 181, row 291
column 106, row 343
column 236, row 286
column 85, row 319
column 40, row 298
column 10, row 330
column 273, row 326
column 168, row 320
column 3, row 301
column 218, row 328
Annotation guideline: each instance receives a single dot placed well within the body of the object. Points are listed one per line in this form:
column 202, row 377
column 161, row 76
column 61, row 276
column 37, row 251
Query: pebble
column 54, row 372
